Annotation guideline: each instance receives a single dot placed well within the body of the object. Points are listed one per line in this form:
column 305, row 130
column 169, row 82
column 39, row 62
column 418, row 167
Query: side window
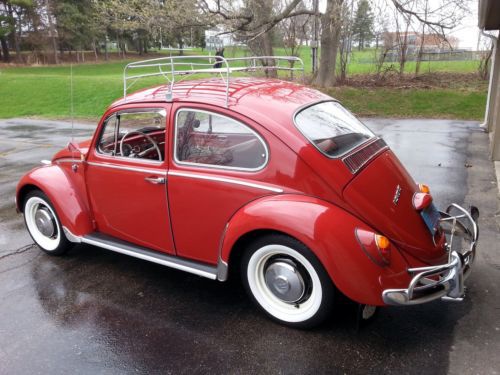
column 135, row 134
column 209, row 139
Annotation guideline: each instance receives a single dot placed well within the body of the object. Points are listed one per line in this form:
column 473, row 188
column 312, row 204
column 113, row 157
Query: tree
column 5, row 30
column 362, row 28
column 329, row 39
column 11, row 12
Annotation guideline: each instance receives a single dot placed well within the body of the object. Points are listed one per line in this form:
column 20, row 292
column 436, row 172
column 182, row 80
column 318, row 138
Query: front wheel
column 287, row 281
column 44, row 225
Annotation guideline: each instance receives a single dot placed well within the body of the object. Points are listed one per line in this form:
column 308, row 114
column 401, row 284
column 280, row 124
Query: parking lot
column 93, row 311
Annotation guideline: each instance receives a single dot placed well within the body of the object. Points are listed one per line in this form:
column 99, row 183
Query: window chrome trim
column 67, row 160
column 128, row 168
column 215, row 166
column 315, row 146
column 225, row 179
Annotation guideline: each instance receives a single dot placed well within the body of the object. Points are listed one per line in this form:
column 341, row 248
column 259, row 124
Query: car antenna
column 74, row 167
column 71, row 102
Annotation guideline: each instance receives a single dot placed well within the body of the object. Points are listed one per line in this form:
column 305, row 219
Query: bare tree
column 295, row 32
column 402, row 28
column 345, row 44
column 483, row 68
column 422, row 38
column 330, row 37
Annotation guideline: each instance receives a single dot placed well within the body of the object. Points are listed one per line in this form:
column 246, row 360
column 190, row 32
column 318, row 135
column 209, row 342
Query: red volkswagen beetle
column 269, row 178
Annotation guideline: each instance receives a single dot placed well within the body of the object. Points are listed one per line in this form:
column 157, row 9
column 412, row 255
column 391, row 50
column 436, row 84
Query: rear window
column 331, row 128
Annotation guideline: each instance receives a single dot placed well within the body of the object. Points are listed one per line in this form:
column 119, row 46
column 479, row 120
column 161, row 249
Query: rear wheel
column 287, row 281
column 44, row 225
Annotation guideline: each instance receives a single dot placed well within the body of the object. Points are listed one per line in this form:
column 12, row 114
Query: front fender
column 66, row 191
column 329, row 232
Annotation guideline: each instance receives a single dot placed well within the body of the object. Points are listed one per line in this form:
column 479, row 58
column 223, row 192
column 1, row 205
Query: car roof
column 256, row 98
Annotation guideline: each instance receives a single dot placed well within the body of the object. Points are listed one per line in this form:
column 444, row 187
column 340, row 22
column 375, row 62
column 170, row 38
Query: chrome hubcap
column 285, row 281
column 45, row 222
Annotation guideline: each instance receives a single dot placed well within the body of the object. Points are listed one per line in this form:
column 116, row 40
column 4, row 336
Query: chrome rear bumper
column 444, row 281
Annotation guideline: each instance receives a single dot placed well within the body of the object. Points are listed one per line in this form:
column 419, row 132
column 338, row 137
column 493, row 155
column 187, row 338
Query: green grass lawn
column 45, row 91
column 433, row 103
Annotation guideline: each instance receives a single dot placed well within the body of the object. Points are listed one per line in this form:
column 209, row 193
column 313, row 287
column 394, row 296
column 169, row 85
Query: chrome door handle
column 156, row 180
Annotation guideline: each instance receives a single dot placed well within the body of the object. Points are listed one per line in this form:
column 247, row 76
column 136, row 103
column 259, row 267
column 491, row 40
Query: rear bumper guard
column 444, row 281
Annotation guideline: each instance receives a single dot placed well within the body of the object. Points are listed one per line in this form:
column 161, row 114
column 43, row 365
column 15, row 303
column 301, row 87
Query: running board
column 122, row 247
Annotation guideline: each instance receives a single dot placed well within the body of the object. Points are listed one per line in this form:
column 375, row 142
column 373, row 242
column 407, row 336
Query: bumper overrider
column 445, row 281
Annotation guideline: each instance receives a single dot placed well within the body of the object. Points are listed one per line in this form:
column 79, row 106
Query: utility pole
column 314, row 42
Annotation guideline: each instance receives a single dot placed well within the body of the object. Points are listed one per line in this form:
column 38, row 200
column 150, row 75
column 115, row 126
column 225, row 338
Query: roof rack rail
column 170, row 67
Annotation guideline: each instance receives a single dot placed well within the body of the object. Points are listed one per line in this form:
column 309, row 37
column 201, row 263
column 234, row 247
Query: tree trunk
column 14, row 35
column 106, row 57
column 5, row 49
column 421, row 47
column 52, row 31
column 94, row 47
column 330, row 36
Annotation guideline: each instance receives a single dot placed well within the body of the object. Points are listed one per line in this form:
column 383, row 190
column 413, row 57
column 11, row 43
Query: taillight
column 421, row 200
column 375, row 246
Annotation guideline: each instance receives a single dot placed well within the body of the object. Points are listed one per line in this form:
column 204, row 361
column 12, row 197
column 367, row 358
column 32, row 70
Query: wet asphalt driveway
column 96, row 312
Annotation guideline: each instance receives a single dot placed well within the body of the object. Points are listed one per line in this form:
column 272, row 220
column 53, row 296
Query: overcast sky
column 468, row 31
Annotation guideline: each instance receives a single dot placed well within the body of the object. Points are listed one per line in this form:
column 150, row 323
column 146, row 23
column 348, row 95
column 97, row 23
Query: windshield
column 331, row 128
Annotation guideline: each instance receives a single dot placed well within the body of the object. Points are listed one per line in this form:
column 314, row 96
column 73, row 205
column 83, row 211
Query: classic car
column 261, row 177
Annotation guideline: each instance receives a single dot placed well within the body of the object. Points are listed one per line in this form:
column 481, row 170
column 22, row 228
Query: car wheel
column 44, row 225
column 287, row 281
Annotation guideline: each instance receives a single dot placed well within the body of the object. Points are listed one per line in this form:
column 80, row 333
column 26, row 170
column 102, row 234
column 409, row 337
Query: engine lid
column 382, row 194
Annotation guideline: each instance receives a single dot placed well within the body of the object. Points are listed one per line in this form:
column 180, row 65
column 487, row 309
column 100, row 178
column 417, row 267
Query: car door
column 219, row 164
column 126, row 177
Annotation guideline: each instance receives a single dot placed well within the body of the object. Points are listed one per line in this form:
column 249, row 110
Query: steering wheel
column 146, row 151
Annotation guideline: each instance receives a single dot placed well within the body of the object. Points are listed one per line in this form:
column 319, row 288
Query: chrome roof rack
column 171, row 67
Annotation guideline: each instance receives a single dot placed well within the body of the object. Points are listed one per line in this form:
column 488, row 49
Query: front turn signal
column 375, row 246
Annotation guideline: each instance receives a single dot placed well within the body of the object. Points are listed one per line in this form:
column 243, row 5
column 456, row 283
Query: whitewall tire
column 287, row 281
column 43, row 224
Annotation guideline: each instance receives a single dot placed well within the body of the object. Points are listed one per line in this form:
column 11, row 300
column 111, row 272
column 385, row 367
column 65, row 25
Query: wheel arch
column 71, row 207
column 327, row 230
column 22, row 193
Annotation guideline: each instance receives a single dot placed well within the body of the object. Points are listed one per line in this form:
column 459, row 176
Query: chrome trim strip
column 68, row 160
column 126, row 158
column 214, row 166
column 126, row 168
column 70, row 236
column 225, row 179
column 168, row 263
column 45, row 162
column 222, row 266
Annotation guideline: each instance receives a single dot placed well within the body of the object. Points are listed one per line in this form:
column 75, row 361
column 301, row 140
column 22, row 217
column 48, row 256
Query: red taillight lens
column 375, row 246
column 421, row 200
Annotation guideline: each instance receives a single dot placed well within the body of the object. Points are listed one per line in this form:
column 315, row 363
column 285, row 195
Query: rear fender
column 65, row 189
column 329, row 232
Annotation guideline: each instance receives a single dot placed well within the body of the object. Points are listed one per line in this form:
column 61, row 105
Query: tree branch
column 410, row 12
